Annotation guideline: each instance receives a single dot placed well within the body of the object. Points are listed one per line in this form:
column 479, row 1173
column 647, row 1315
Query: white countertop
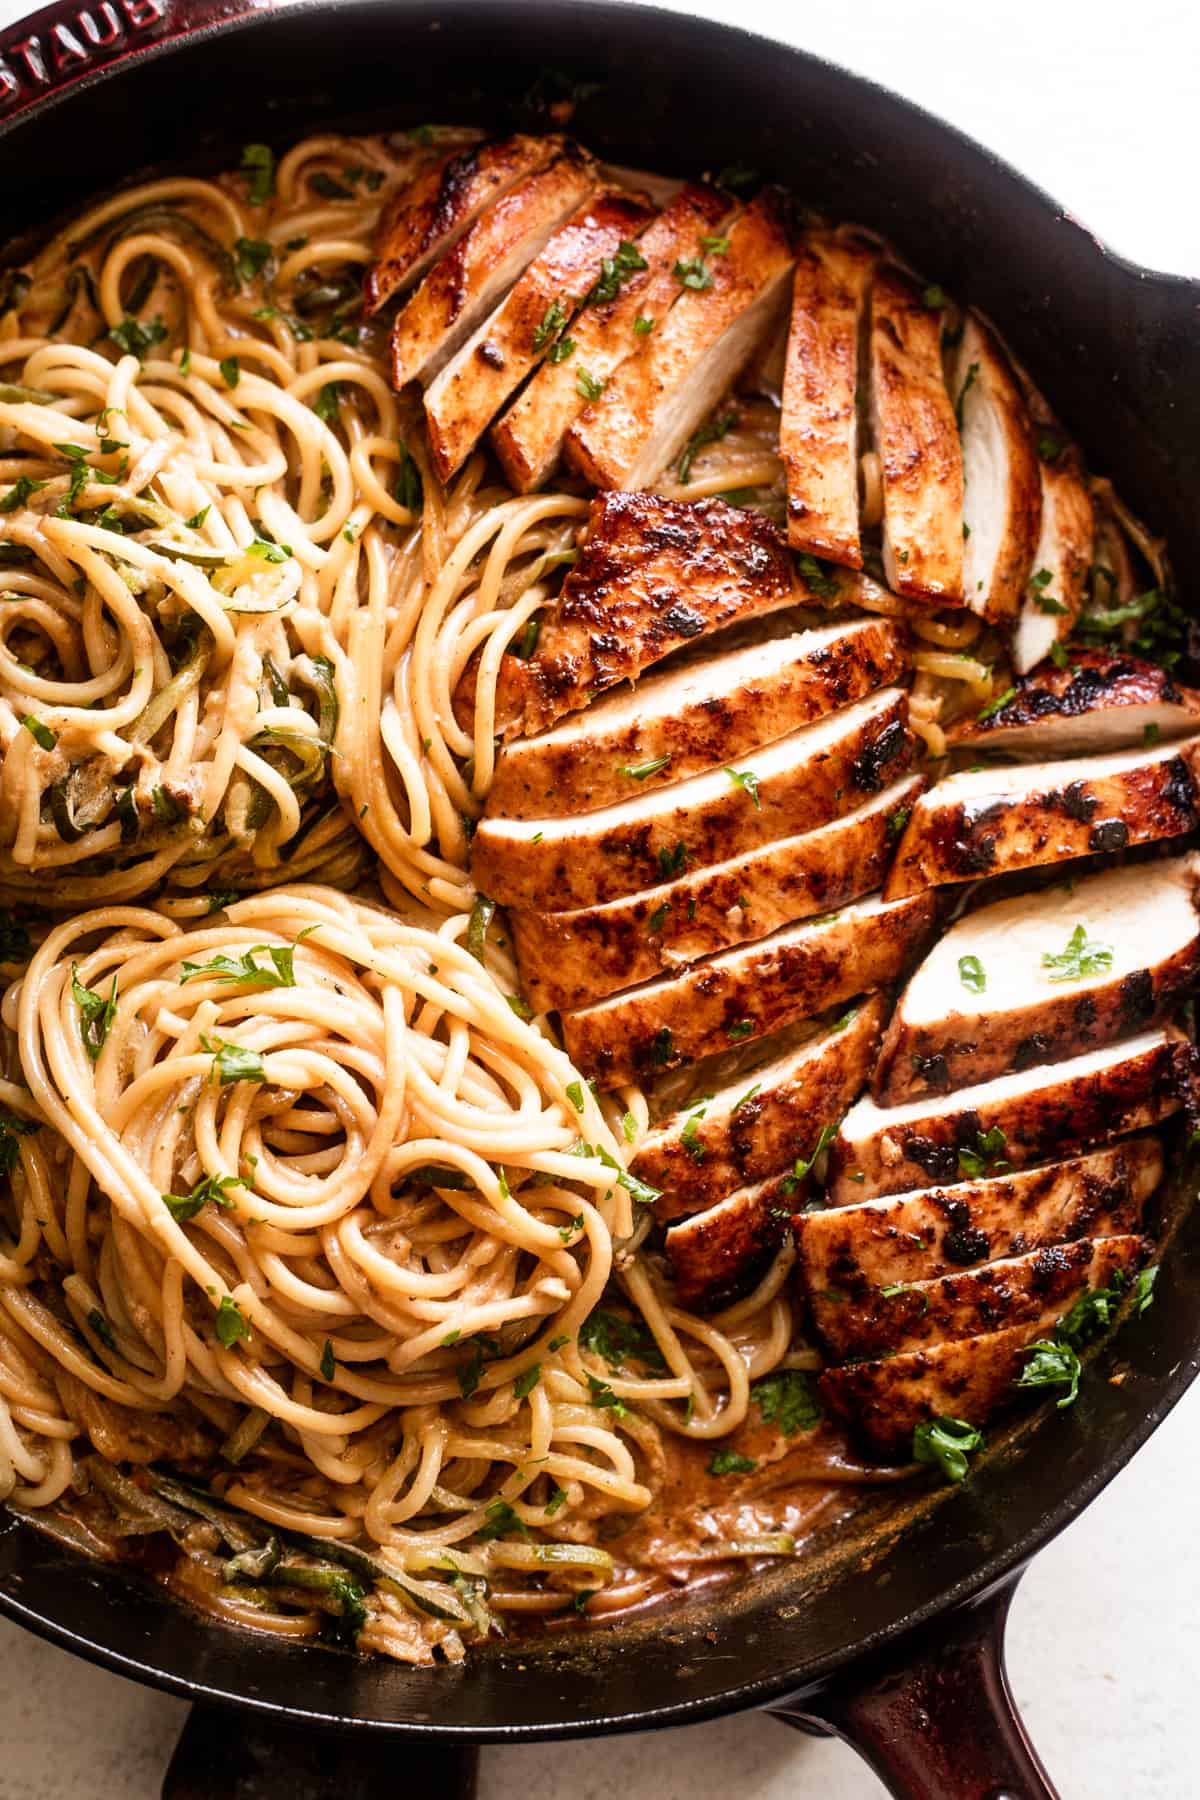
column 1098, row 104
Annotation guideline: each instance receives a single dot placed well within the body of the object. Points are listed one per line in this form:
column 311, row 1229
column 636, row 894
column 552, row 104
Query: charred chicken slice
column 1020, row 1118
column 653, row 575
column 529, row 324
column 1054, row 595
column 742, row 994
column 569, row 959
column 987, row 821
column 700, row 712
column 885, row 1400
column 465, row 283
column 818, row 426
column 858, row 1249
column 1099, row 700
column 427, row 216
column 794, row 785
column 1044, row 976
column 733, row 289
column 916, row 439
column 757, row 1124
column 718, row 1254
column 1002, row 488
column 628, row 305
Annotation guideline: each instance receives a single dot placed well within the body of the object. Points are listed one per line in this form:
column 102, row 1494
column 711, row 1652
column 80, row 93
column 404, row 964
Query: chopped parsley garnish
column 232, row 1062
column 601, row 1394
column 558, row 1498
column 12, row 1127
column 711, row 433
column 19, row 493
column 689, row 1137
column 574, row 1092
column 746, row 1098
column 817, row 575
column 197, row 519
column 231, row 1327
column 728, row 1462
column 997, row 705
column 946, row 1444
column 747, row 780
column 501, row 1518
column 934, row 297
column 643, row 326
column 1049, row 448
column 658, row 918
column 39, row 732
column 521, row 1007
column 614, row 270
column 802, row 1166
column 135, row 338
column 788, row 1399
column 102, row 1328
column 231, row 371
column 328, row 1364
column 965, row 389
column 642, row 771
column 96, row 1014
column 897, row 821
column 321, row 182
column 588, row 386
column 616, row 1339
column 327, row 403
column 245, row 970
column 743, row 1028
column 553, row 320
column 1082, row 957
column 972, row 974
column 1042, row 599
column 213, row 1187
column 258, row 166
column 984, row 1159
column 662, row 1047
column 672, row 863
column 561, row 351
column 251, row 256
column 692, row 272
column 1050, row 1364
column 408, row 490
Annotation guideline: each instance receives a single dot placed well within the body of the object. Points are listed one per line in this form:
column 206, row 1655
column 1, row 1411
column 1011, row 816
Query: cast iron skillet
column 890, row 1637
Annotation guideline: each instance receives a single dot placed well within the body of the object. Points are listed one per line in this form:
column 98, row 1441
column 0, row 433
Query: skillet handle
column 935, row 1718
column 250, row 1756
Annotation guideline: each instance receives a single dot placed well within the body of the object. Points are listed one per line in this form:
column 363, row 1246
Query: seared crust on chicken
column 1002, row 485
column 742, row 994
column 873, row 1244
column 794, row 785
column 731, row 296
column 983, row 822
column 886, row 1400
column 1002, row 991
column 530, row 322
column 653, row 575
column 463, row 285
column 428, row 215
column 908, row 1315
column 529, row 438
column 1051, row 1110
column 718, row 1254
column 758, row 1124
column 1099, row 700
column 567, row 959
column 818, row 425
column 704, row 710
column 1064, row 552
column 916, row 438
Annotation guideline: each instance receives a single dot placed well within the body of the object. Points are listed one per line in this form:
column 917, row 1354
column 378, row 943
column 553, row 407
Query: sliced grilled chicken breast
column 429, row 215
column 906, row 1316
column 732, row 293
column 1051, row 1110
column 718, row 1254
column 916, row 438
column 757, row 1125
column 705, row 709
column 818, row 425
column 652, row 575
column 1054, row 595
column 874, row 1244
column 529, row 438
column 742, row 994
column 568, row 959
column 794, row 785
column 967, row 1379
column 986, row 821
column 465, row 283
column 529, row 324
column 1099, row 700
column 1044, row 976
column 1002, row 485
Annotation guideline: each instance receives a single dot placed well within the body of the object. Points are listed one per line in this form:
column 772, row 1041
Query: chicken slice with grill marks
column 467, row 280
column 906, row 1316
column 988, row 821
column 859, row 1248
column 796, row 784
column 528, row 440
column 717, row 1255
column 705, row 708
column 758, row 1123
column 568, row 959
column 969, row 1378
column 1044, row 976
column 741, row 995
column 427, row 216
column 733, row 291
column 1020, row 1118
column 1002, row 488
column 916, row 440
column 1099, row 700
column 532, row 322
column 819, row 422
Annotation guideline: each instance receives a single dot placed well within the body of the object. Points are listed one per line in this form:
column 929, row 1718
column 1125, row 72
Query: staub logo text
column 80, row 40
